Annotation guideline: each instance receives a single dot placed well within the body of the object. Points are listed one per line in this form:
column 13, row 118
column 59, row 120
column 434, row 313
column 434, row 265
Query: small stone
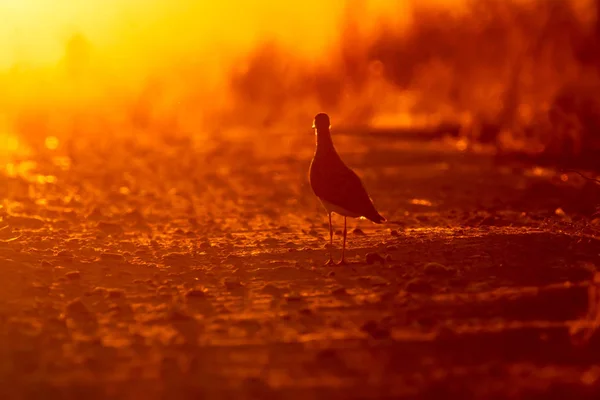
column 306, row 311
column 372, row 258
column 378, row 281
column 25, row 222
column 375, row 331
column 197, row 293
column 73, row 275
column 232, row 284
column 271, row 289
column 76, row 308
column 438, row 269
column 99, row 291
column 205, row 244
column 418, row 286
column 294, row 296
column 270, row 242
column 109, row 228
column 339, row 292
column 115, row 293
column 358, row 231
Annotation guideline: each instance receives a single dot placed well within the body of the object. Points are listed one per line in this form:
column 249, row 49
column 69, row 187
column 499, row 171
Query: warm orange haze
column 111, row 62
column 151, row 64
column 173, row 227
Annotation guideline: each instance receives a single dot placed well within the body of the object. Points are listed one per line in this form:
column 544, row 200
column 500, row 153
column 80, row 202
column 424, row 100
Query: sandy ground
column 176, row 269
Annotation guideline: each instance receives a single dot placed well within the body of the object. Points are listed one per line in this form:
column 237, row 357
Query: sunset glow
column 98, row 57
column 171, row 66
column 328, row 199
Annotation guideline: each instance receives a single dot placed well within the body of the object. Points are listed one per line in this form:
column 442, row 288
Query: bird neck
column 324, row 141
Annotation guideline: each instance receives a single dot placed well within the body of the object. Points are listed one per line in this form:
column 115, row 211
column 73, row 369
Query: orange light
column 52, row 142
column 84, row 68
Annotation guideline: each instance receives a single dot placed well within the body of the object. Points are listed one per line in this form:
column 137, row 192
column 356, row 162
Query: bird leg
column 343, row 260
column 330, row 262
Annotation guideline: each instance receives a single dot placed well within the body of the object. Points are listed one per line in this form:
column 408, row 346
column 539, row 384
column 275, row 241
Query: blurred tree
column 77, row 54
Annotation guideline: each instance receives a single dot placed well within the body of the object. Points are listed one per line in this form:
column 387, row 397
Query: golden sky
column 34, row 32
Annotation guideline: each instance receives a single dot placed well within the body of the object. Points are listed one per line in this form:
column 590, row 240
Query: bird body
column 332, row 208
column 338, row 188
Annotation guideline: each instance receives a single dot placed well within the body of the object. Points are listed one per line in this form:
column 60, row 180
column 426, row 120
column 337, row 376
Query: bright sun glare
column 100, row 55
column 123, row 43
column 34, row 31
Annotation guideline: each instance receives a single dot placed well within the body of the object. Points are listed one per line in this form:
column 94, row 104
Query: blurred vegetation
column 523, row 75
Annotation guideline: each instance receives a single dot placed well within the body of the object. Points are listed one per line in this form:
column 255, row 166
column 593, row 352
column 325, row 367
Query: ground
column 179, row 268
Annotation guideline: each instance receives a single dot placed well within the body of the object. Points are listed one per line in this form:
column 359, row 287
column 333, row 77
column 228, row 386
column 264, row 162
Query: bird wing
column 342, row 187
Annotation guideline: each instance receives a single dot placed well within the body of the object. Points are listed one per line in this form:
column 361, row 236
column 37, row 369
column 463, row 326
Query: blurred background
column 159, row 237
column 522, row 76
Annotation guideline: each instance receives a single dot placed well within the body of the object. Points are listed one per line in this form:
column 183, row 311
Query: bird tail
column 376, row 218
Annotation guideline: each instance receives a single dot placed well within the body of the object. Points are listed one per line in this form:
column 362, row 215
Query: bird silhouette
column 338, row 188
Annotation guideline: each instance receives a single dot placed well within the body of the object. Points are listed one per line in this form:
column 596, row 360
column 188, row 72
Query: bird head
column 321, row 122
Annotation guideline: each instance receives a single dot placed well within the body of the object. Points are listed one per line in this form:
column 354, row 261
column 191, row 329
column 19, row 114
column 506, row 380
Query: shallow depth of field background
column 159, row 237
column 522, row 74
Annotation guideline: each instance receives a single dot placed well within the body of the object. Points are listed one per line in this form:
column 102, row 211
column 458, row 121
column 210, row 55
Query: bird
column 337, row 186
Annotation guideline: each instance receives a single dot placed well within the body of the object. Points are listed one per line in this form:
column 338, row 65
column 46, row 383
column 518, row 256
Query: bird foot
column 330, row 262
column 342, row 262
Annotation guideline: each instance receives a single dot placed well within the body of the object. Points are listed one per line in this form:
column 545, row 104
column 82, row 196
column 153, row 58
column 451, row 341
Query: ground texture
column 174, row 268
